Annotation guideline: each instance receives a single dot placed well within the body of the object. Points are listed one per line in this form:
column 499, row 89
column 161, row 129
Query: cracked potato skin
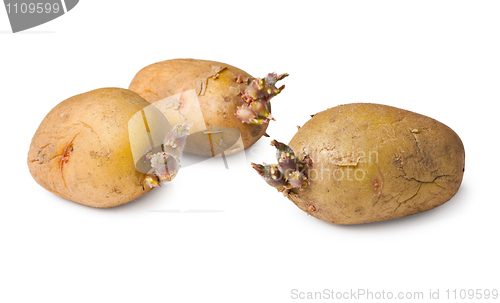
column 374, row 162
column 81, row 150
column 216, row 87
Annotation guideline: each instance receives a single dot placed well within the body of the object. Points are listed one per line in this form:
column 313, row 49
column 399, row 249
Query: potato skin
column 218, row 93
column 93, row 129
column 374, row 162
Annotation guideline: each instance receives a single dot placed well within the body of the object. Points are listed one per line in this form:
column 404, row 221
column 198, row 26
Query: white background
column 437, row 58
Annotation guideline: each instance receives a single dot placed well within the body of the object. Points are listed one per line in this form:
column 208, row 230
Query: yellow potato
column 370, row 163
column 81, row 150
column 208, row 94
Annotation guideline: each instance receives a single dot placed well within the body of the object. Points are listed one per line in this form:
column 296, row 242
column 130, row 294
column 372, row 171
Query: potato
column 361, row 163
column 82, row 149
column 209, row 95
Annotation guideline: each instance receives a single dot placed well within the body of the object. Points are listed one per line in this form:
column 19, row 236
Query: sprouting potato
column 359, row 163
column 82, row 149
column 227, row 106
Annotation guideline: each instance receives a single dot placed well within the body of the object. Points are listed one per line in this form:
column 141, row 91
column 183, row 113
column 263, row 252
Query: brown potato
column 81, row 150
column 370, row 163
column 218, row 88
